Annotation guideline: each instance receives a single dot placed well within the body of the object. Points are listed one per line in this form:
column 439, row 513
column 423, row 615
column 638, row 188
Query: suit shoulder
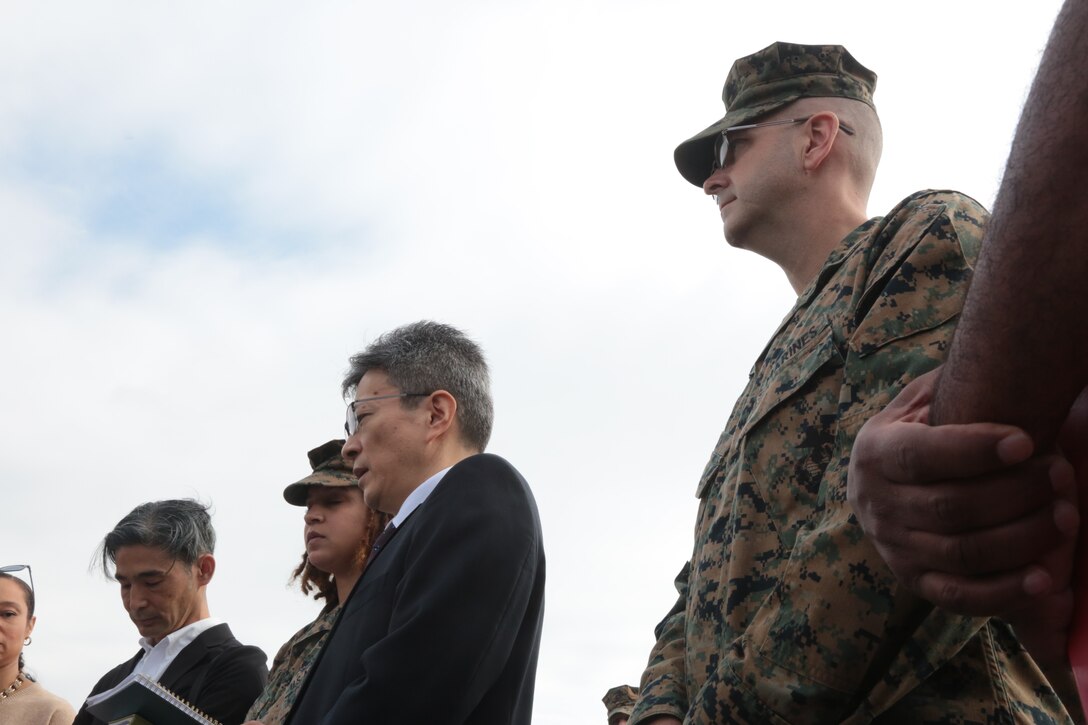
column 486, row 485
column 487, row 462
column 218, row 636
column 488, row 472
column 222, row 639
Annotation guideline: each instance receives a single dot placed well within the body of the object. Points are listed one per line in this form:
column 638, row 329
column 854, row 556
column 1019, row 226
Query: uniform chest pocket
column 785, row 380
column 800, row 365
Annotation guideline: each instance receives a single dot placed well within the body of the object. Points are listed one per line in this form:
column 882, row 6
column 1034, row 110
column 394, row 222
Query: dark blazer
column 444, row 624
column 215, row 672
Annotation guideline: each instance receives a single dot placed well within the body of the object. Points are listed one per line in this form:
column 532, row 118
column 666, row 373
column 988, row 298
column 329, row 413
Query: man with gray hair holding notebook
column 161, row 554
column 786, row 612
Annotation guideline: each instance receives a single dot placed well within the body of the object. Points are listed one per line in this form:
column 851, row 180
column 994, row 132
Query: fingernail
column 1063, row 478
column 1066, row 518
column 1014, row 448
column 1036, row 581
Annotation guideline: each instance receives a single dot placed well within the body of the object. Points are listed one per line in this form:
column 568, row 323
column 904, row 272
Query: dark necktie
column 380, row 542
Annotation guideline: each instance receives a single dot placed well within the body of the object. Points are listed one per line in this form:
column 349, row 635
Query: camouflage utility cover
column 786, row 612
column 763, row 82
column 619, row 701
column 329, row 469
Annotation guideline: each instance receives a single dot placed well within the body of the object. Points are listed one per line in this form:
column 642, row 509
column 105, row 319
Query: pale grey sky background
column 209, row 206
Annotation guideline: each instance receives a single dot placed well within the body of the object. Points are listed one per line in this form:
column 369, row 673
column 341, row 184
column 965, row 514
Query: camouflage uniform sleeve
column 662, row 690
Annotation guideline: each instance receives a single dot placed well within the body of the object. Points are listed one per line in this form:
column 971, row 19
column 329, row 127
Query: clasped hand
column 969, row 518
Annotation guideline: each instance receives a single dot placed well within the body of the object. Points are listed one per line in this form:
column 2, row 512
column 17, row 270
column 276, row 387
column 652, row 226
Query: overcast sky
column 209, row 206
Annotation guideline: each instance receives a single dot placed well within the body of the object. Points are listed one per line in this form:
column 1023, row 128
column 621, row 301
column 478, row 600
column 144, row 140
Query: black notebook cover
column 139, row 695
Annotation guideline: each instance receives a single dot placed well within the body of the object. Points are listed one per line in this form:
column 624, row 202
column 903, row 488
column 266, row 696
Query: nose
column 136, row 598
column 311, row 516
column 350, row 449
column 716, row 182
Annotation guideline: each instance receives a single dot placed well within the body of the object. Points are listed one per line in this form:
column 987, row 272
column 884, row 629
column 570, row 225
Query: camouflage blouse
column 289, row 669
column 786, row 612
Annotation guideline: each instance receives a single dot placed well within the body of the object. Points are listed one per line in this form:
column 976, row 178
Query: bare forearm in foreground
column 1020, row 355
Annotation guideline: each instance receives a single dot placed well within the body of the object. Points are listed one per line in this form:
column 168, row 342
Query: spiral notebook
column 139, row 695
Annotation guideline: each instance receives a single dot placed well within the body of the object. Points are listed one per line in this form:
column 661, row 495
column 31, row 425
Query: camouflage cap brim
column 620, row 701
column 695, row 157
column 329, row 469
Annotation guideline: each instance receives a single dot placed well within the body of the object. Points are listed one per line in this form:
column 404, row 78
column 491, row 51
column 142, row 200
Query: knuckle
column 903, row 457
column 944, row 509
column 881, row 526
column 950, row 596
column 963, row 552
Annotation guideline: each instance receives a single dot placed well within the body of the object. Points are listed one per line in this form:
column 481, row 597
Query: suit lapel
column 193, row 654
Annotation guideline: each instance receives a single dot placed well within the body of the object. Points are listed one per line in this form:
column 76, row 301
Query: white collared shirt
column 417, row 497
column 158, row 657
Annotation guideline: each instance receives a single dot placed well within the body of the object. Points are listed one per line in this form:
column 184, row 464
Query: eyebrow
column 143, row 574
column 12, row 603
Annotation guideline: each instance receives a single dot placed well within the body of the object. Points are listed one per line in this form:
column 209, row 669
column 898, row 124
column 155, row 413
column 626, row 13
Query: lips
column 311, row 535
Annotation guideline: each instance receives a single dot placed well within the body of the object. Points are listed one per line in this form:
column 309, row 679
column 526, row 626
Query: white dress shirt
column 417, row 497
column 158, row 657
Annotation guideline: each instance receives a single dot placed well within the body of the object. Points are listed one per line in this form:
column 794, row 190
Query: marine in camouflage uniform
column 786, row 612
column 297, row 656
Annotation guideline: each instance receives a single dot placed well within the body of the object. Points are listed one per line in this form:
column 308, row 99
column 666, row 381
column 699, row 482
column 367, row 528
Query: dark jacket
column 444, row 625
column 215, row 673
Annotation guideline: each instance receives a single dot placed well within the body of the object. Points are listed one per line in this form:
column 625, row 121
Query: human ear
column 442, row 412
column 823, row 129
column 205, row 568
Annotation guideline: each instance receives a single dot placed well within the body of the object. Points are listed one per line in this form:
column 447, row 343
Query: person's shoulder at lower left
column 35, row 705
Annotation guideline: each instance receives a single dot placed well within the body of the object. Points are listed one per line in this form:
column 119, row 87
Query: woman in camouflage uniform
column 339, row 531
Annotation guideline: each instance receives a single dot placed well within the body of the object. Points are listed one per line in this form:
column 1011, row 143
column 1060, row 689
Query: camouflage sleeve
column 662, row 690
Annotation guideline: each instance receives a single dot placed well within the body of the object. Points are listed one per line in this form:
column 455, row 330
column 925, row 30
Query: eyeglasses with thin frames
column 721, row 145
column 352, row 423
column 11, row 568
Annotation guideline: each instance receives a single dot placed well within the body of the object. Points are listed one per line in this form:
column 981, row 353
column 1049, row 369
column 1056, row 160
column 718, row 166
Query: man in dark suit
column 444, row 624
column 161, row 554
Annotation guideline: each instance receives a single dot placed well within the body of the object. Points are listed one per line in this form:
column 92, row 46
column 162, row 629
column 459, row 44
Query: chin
column 731, row 237
column 318, row 563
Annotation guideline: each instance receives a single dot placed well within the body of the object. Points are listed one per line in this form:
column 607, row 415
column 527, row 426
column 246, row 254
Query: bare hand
column 960, row 513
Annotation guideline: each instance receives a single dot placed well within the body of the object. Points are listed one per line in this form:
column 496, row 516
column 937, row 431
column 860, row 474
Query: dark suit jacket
column 444, row 624
column 215, row 672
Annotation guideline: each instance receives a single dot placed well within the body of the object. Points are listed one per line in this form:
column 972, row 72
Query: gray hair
column 426, row 356
column 180, row 527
